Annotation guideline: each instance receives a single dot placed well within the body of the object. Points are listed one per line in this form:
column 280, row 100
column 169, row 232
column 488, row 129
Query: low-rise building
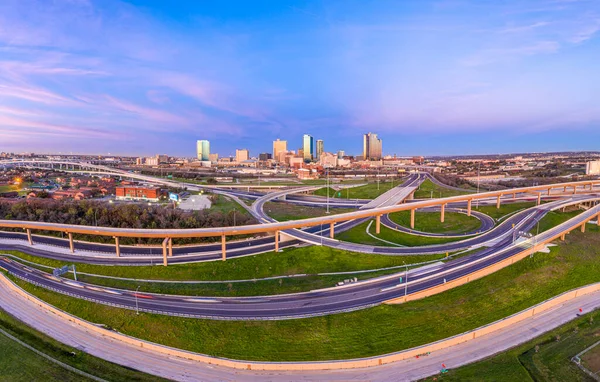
column 138, row 193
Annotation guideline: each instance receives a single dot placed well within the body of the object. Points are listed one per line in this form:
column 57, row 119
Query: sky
column 443, row 77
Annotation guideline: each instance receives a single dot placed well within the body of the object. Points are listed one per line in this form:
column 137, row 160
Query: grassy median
column 505, row 209
column 359, row 234
column 302, row 260
column 379, row 330
column 454, row 222
column 429, row 190
column 281, row 211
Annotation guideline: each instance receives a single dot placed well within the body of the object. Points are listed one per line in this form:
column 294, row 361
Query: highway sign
column 173, row 197
column 60, row 271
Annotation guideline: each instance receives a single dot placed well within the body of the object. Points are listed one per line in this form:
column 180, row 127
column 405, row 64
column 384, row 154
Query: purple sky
column 430, row 77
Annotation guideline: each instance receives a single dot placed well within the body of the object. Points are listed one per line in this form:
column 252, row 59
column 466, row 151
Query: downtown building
column 308, row 147
column 278, row 148
column 203, row 150
column 320, row 149
column 371, row 147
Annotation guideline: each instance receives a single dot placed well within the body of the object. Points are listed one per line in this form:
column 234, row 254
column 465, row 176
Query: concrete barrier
column 300, row 366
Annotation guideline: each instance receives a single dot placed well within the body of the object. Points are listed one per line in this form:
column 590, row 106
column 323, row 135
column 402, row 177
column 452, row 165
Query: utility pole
column 406, row 284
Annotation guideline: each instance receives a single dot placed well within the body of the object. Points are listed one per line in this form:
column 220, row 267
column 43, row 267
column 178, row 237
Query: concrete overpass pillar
column 331, row 230
column 443, row 213
column 562, row 237
column 565, row 189
column 71, row 245
column 574, row 190
column 170, row 247
column 223, row 248
column 498, row 201
column 412, row 218
column 549, row 190
column 583, row 227
column 514, row 196
column 117, row 247
column 164, row 248
column 378, row 224
column 469, row 202
column 29, row 237
column 539, row 199
column 276, row 241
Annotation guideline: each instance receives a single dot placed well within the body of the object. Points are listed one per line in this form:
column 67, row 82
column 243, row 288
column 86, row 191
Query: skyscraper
column 308, row 146
column 371, row 147
column 203, row 150
column 279, row 147
column 241, row 155
column 320, row 149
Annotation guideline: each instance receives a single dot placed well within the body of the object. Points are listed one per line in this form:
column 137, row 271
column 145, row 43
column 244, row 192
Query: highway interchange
column 496, row 244
column 492, row 244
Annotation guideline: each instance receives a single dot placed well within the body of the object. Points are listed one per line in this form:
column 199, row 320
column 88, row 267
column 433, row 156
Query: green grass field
column 504, row 209
column 226, row 205
column 554, row 218
column 454, row 222
column 19, row 363
column 358, row 234
column 286, row 211
column 546, row 358
column 367, row 191
column 429, row 190
column 379, row 330
column 303, row 260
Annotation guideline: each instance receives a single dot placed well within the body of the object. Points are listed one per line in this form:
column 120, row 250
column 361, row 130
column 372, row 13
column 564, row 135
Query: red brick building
column 138, row 193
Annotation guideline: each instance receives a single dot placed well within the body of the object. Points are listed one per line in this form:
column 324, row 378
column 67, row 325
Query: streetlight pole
column 478, row 173
column 137, row 309
column 234, row 211
column 327, row 190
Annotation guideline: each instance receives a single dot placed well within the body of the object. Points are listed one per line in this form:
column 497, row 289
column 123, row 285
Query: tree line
column 119, row 215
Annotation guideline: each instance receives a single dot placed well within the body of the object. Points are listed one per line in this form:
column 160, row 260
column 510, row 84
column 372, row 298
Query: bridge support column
column 562, row 237
column 514, row 196
column 71, row 245
column 170, row 247
column 331, row 230
column 574, row 190
column 442, row 213
column 378, row 224
column 469, row 202
column 29, row 239
column 583, row 227
column 549, row 190
column 498, row 201
column 164, row 247
column 117, row 247
column 412, row 218
column 539, row 199
column 276, row 241
column 223, row 248
column 565, row 189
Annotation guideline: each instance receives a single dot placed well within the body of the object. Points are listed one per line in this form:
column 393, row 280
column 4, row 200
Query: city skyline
column 433, row 78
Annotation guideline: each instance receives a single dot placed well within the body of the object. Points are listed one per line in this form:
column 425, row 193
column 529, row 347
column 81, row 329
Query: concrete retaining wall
column 327, row 365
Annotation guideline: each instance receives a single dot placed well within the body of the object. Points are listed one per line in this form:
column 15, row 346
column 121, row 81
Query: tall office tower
column 371, row 147
column 320, row 149
column 341, row 154
column 279, row 147
column 308, row 146
column 241, row 155
column 203, row 150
